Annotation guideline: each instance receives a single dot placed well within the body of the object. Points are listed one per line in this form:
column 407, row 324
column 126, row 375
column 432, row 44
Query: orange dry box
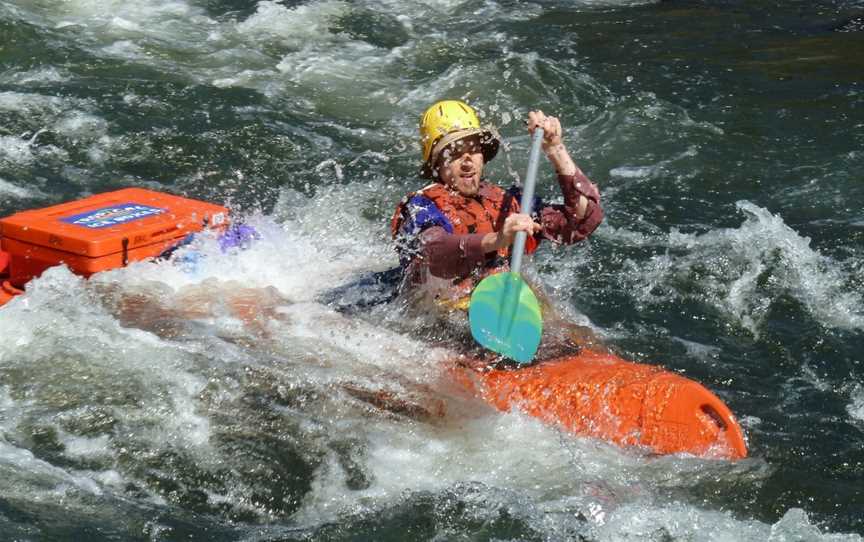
column 101, row 232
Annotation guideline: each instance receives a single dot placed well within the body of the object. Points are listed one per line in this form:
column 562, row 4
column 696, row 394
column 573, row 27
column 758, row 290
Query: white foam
column 125, row 25
column 483, row 447
column 702, row 352
column 616, row 3
column 683, row 522
column 80, row 125
column 732, row 265
column 49, row 74
column 295, row 27
column 16, row 150
column 632, row 172
column 77, row 446
column 29, row 103
column 543, row 478
column 43, row 480
column 58, row 309
column 856, row 407
column 69, row 118
column 125, row 49
column 120, row 15
column 10, row 410
column 283, row 258
column 796, row 525
column 110, row 478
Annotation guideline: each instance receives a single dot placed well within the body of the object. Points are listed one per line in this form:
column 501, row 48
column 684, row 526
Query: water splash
column 742, row 271
column 856, row 406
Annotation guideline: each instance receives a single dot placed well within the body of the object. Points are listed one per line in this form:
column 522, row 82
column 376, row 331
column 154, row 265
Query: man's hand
column 514, row 223
column 551, row 129
column 553, row 142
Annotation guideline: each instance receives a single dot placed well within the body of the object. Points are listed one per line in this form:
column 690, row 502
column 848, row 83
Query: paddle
column 504, row 313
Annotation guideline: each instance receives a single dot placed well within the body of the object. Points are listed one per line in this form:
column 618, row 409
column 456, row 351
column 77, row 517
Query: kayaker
column 458, row 229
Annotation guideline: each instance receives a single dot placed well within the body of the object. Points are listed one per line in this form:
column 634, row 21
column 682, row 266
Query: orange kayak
column 601, row 395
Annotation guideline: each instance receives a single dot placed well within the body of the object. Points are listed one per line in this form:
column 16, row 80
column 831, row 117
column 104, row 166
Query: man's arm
column 581, row 213
column 556, row 152
column 565, row 223
column 450, row 255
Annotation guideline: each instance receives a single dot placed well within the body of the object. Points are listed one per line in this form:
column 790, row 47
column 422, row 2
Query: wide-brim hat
column 489, row 139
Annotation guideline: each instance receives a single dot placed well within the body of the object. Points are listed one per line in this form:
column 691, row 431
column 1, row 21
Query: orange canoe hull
column 601, row 395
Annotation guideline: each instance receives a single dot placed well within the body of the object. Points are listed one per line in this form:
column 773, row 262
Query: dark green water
column 727, row 138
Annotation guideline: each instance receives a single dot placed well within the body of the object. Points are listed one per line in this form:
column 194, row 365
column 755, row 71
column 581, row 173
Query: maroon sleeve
column 449, row 255
column 560, row 223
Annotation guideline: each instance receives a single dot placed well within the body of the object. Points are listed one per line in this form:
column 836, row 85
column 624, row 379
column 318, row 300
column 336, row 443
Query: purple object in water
column 237, row 236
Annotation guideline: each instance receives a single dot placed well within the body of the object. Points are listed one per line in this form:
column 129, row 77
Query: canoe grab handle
column 715, row 416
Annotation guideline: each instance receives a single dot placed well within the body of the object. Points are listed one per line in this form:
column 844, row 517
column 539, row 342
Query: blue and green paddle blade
column 504, row 313
column 505, row 316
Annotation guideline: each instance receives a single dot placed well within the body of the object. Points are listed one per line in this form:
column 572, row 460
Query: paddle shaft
column 527, row 198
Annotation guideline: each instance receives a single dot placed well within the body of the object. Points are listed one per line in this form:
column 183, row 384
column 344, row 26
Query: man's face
column 461, row 166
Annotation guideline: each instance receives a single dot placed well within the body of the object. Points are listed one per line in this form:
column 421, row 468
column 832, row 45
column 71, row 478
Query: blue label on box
column 113, row 215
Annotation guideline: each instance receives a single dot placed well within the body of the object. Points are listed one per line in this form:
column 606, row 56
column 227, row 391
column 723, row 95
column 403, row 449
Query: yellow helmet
column 448, row 121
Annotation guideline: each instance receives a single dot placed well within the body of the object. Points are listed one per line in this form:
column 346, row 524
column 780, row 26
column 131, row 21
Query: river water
column 727, row 138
